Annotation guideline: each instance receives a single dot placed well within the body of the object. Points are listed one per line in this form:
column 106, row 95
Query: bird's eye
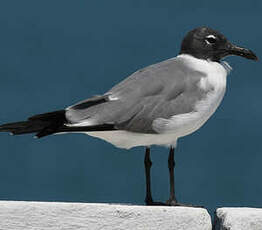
column 211, row 39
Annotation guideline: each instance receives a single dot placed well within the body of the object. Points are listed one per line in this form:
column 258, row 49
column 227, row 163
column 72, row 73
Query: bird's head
column 206, row 43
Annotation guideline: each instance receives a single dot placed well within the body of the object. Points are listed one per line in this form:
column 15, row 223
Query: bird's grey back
column 161, row 90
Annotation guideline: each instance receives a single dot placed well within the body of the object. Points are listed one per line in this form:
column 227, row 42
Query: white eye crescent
column 211, row 39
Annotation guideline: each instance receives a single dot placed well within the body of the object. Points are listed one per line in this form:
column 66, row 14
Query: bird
column 155, row 105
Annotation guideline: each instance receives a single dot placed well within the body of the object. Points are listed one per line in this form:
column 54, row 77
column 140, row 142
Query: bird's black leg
column 148, row 164
column 172, row 201
column 171, row 165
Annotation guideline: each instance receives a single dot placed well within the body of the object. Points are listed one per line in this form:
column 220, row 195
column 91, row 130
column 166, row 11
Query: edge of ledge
column 63, row 215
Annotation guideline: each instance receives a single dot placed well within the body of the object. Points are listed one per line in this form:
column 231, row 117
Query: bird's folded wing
column 159, row 91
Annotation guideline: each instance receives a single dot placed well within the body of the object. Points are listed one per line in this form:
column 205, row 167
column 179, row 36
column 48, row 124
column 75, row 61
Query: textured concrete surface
column 239, row 219
column 53, row 215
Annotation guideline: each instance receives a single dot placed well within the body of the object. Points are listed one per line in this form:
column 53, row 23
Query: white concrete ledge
column 54, row 215
column 239, row 219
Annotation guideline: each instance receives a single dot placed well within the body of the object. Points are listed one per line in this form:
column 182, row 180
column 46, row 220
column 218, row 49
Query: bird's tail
column 49, row 123
column 42, row 124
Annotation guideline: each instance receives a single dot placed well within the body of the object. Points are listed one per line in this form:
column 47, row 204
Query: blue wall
column 54, row 53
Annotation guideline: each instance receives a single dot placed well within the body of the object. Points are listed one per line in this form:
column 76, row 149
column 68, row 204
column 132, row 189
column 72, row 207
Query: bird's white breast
column 213, row 83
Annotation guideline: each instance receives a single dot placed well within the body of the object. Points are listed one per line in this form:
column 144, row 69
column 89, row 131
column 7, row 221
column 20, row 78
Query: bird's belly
column 125, row 139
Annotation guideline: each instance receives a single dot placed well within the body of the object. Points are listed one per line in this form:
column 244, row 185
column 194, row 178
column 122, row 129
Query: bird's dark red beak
column 242, row 52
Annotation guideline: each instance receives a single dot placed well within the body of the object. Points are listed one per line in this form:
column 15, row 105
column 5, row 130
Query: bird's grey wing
column 162, row 90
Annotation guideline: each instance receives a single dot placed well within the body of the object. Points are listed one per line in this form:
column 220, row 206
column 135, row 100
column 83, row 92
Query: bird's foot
column 172, row 202
column 150, row 202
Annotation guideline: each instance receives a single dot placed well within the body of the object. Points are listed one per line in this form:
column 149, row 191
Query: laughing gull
column 154, row 106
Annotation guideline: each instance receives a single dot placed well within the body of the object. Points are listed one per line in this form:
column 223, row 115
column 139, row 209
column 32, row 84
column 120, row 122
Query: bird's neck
column 202, row 65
